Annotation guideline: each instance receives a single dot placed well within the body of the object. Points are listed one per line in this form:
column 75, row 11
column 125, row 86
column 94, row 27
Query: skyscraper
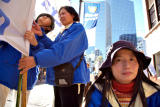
column 141, row 44
column 116, row 17
column 103, row 28
column 122, row 18
column 129, row 37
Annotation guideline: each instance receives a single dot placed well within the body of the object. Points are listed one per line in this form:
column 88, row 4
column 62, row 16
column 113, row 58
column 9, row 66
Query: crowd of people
column 121, row 83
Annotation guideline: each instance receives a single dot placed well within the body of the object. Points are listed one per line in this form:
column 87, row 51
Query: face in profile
column 125, row 66
column 44, row 22
column 65, row 17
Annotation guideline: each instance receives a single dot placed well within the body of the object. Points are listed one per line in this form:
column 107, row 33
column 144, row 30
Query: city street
column 39, row 35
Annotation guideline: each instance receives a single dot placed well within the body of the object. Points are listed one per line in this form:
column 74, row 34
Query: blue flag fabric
column 91, row 12
column 12, row 28
column 6, row 20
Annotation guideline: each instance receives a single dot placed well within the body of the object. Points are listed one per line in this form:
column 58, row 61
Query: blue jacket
column 152, row 95
column 67, row 47
column 9, row 73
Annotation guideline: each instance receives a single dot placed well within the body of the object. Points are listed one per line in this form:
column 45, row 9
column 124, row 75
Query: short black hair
column 72, row 11
column 48, row 15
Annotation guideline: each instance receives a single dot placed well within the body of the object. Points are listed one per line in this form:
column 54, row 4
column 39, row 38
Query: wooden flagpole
column 24, row 90
column 19, row 90
column 22, row 85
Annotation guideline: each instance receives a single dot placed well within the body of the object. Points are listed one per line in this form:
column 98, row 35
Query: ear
column 73, row 16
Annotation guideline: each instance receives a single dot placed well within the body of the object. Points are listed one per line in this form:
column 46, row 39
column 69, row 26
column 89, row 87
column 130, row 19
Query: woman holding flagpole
column 68, row 47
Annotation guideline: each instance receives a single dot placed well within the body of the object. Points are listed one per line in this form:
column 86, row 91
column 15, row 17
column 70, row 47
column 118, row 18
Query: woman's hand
column 29, row 35
column 26, row 63
column 36, row 29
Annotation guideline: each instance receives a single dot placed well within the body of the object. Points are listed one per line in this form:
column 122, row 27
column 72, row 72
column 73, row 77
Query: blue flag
column 13, row 28
column 91, row 12
column 6, row 20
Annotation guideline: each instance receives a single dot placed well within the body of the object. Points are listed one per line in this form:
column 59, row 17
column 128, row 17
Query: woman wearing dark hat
column 122, row 82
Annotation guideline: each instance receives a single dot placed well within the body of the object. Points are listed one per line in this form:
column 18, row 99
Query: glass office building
column 122, row 18
column 103, row 28
column 129, row 37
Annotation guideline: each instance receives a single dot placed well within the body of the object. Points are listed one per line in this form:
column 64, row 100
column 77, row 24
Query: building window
column 158, row 8
column 152, row 16
column 156, row 59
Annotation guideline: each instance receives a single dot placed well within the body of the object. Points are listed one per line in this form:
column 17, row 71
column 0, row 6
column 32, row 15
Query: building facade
column 129, row 37
column 122, row 18
column 152, row 20
column 141, row 44
column 103, row 29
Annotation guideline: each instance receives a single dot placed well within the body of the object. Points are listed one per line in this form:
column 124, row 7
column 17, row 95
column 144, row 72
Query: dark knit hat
column 127, row 45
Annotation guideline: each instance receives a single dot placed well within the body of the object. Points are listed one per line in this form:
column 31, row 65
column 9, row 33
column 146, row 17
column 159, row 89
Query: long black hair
column 105, row 81
column 72, row 11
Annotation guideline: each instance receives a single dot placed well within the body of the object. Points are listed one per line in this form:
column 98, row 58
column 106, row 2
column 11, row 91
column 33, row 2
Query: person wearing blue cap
column 123, row 82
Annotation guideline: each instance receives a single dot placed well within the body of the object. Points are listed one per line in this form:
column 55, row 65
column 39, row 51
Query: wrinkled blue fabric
column 9, row 73
column 67, row 47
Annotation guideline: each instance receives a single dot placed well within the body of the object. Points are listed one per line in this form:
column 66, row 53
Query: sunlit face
column 125, row 66
column 44, row 22
column 65, row 17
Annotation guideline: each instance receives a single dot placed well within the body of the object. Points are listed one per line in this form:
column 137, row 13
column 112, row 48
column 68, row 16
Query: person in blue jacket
column 68, row 46
column 123, row 82
column 9, row 58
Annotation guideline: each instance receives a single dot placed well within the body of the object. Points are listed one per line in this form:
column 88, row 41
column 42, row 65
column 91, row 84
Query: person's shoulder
column 154, row 99
column 77, row 25
column 149, row 89
column 96, row 94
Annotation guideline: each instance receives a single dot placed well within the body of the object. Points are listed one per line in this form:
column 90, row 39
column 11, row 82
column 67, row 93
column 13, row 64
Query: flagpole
column 80, row 5
column 19, row 90
column 24, row 90
column 22, row 85
column 24, row 80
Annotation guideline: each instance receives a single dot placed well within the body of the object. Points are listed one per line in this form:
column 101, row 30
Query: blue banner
column 91, row 12
column 13, row 28
column 4, row 25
